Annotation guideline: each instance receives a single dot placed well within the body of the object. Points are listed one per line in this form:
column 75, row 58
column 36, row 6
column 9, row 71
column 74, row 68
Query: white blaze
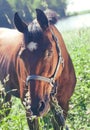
column 32, row 46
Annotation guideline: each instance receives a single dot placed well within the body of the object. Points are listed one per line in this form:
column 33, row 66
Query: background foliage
column 78, row 45
column 26, row 9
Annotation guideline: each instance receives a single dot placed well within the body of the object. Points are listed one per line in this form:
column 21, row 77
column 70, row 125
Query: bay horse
column 38, row 64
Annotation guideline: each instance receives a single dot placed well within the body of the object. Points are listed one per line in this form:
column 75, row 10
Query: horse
column 38, row 64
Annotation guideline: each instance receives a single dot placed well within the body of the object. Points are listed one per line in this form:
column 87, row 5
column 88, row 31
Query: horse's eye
column 48, row 53
column 52, row 37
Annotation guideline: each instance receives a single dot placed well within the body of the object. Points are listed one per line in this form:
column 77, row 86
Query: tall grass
column 78, row 45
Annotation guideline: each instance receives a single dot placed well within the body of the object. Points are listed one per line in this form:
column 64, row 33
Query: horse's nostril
column 41, row 106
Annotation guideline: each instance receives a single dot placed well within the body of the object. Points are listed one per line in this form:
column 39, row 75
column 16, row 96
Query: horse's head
column 40, row 56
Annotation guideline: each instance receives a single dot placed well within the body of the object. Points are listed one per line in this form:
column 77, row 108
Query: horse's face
column 40, row 58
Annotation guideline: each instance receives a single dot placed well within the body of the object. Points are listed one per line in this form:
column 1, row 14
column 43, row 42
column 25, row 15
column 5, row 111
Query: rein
column 50, row 80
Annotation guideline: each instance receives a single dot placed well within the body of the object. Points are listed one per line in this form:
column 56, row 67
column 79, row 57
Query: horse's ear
column 42, row 19
column 20, row 25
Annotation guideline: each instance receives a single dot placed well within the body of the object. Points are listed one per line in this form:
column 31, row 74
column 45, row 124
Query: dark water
column 74, row 22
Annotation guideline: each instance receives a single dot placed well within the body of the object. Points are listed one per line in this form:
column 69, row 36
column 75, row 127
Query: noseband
column 50, row 80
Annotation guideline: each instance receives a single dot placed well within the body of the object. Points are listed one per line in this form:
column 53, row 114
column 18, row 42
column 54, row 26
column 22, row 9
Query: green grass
column 78, row 45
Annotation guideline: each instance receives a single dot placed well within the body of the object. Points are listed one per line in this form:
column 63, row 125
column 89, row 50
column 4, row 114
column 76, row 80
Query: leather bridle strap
column 38, row 77
column 60, row 58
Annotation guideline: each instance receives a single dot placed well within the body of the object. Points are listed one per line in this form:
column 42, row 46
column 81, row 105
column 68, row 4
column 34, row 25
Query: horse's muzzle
column 40, row 108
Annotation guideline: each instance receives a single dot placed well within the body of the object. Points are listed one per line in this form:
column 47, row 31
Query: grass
column 78, row 45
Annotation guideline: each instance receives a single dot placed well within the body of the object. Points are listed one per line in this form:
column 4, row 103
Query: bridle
column 50, row 80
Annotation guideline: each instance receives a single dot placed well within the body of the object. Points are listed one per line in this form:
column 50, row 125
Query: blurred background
column 78, row 9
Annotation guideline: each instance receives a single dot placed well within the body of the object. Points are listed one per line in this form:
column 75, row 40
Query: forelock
column 35, row 32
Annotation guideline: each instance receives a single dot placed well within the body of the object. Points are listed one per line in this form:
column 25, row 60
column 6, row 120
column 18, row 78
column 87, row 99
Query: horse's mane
column 52, row 16
column 35, row 32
